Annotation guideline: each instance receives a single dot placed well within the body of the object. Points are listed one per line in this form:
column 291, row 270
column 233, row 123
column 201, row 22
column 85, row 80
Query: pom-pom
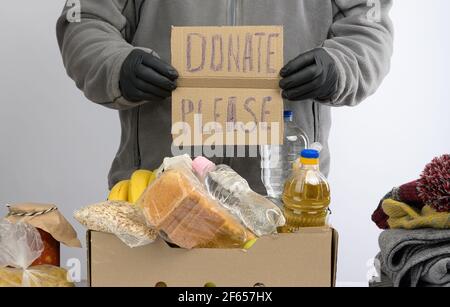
column 434, row 184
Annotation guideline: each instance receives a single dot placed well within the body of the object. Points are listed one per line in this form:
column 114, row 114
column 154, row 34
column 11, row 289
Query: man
column 118, row 55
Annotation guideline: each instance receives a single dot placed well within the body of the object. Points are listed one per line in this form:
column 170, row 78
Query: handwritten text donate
column 233, row 52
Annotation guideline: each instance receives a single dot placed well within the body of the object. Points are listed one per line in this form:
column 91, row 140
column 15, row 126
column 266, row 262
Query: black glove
column 144, row 77
column 312, row 75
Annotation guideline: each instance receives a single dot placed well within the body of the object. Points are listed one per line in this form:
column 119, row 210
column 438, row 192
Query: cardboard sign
column 228, row 92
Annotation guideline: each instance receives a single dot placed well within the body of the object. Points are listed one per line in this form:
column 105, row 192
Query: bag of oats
column 122, row 219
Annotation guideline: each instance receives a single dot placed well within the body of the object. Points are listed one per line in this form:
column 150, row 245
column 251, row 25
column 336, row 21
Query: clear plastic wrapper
column 20, row 246
column 233, row 192
column 122, row 219
column 52, row 226
column 177, row 205
column 178, row 162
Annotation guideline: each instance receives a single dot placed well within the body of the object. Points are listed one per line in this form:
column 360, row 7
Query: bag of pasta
column 20, row 246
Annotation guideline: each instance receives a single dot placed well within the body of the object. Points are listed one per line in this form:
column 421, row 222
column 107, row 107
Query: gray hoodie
column 358, row 35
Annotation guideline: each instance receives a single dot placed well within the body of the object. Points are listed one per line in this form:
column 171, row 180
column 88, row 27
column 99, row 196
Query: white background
column 56, row 147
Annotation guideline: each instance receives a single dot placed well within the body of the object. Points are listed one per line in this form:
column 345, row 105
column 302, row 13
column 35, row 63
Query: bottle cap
column 309, row 157
column 288, row 114
column 310, row 154
column 201, row 166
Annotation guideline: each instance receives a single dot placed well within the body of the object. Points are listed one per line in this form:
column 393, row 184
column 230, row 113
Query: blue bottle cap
column 310, row 154
column 288, row 114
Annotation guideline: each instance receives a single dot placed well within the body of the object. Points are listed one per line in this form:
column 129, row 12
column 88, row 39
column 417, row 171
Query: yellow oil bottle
column 306, row 195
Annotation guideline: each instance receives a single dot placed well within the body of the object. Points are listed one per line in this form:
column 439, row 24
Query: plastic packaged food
column 20, row 246
column 35, row 276
column 122, row 219
column 177, row 205
column 232, row 191
column 52, row 226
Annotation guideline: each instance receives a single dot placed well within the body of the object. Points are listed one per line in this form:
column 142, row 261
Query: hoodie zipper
column 316, row 120
column 232, row 16
column 232, row 12
column 137, row 149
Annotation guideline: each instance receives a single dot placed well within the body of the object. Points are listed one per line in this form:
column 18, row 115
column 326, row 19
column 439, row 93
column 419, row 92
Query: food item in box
column 138, row 183
column 120, row 191
column 177, row 205
column 131, row 190
column 123, row 219
column 233, row 192
column 306, row 195
column 35, row 276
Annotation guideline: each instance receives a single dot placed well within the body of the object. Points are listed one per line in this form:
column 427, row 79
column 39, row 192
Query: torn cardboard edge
column 240, row 83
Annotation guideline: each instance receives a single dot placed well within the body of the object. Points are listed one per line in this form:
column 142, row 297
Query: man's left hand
column 312, row 75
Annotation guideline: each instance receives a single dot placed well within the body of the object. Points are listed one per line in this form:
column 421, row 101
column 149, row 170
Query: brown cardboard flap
column 227, row 75
column 227, row 83
column 303, row 259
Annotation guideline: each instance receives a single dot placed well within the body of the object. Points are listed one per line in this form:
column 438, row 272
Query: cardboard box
column 228, row 90
column 305, row 259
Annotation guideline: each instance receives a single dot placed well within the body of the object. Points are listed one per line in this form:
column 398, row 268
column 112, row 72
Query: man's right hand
column 144, row 77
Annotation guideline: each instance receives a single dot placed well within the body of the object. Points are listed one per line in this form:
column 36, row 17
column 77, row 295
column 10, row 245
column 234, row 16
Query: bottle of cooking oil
column 306, row 195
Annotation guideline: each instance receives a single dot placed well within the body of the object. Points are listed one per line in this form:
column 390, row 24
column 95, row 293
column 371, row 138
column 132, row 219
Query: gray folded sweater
column 412, row 258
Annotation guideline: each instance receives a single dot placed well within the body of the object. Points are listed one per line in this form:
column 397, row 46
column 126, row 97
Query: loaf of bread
column 178, row 207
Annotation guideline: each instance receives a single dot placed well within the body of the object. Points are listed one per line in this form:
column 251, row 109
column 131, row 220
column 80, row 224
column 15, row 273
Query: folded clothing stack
column 415, row 246
column 412, row 258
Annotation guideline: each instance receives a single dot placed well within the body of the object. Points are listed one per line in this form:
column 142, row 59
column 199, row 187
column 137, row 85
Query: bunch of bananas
column 131, row 190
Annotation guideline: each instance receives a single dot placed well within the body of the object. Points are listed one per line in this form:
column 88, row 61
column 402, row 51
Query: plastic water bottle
column 277, row 160
column 233, row 192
